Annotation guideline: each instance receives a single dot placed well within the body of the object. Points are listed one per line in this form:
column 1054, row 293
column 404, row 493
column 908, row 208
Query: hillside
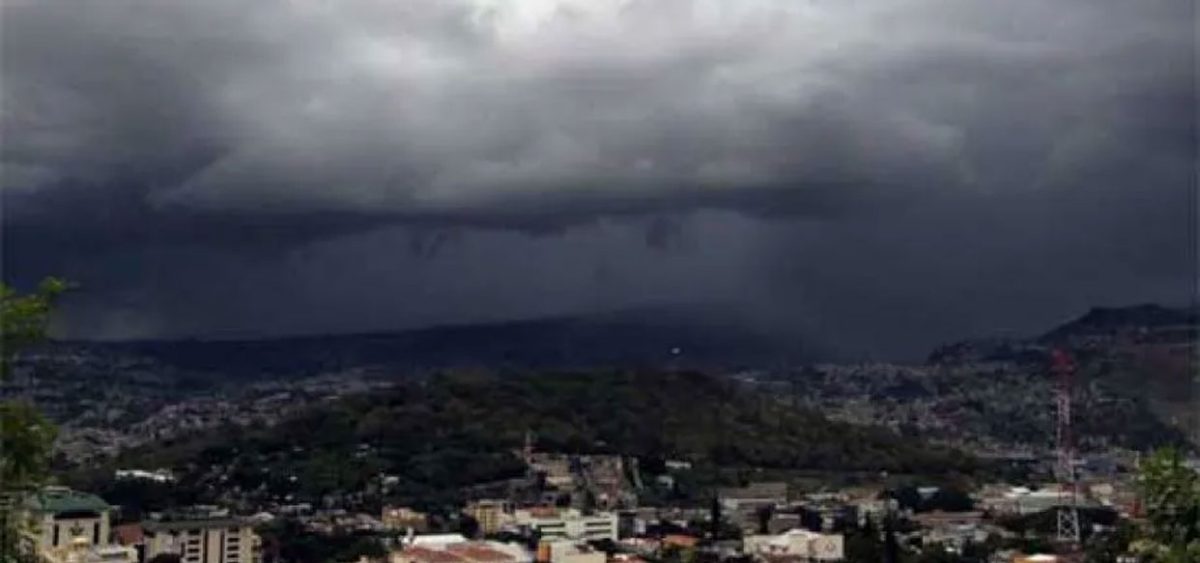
column 640, row 338
column 1138, row 354
column 454, row 430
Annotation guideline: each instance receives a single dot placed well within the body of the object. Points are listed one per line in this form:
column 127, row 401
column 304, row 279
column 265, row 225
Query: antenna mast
column 1068, row 514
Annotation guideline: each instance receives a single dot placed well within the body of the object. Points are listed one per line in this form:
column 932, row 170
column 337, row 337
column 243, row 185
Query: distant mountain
column 641, row 338
column 1143, row 352
column 1140, row 322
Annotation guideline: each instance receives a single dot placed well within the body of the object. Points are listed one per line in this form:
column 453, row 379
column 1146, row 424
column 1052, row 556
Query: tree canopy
column 1171, row 494
column 26, row 436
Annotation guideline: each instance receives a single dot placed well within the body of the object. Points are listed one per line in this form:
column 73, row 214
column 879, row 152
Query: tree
column 26, row 436
column 24, row 318
column 1171, row 494
column 864, row 545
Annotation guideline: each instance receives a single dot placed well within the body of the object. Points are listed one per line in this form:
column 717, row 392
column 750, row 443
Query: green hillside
column 453, row 430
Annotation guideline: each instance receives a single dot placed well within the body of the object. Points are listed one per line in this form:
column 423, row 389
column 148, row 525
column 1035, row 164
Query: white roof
column 438, row 539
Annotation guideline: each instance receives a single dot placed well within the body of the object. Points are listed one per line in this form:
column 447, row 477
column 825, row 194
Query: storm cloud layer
column 886, row 172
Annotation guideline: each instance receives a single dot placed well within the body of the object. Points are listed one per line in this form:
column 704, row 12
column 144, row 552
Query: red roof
column 680, row 540
column 426, row 555
column 480, row 553
column 129, row 534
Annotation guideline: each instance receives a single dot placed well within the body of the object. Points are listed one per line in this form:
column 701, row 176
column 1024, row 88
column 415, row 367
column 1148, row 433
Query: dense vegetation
column 25, row 435
column 453, row 430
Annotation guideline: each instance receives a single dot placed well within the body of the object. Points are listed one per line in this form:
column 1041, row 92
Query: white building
column 80, row 551
column 1021, row 500
column 66, row 525
column 808, row 546
column 568, row 524
column 159, row 476
column 199, row 539
column 568, row 552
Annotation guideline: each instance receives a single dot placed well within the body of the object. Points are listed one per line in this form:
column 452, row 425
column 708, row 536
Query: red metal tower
column 1063, row 367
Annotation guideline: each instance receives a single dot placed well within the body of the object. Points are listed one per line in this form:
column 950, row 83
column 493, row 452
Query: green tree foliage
column 24, row 318
column 25, row 435
column 301, row 546
column 442, row 433
column 1171, row 494
column 1110, row 545
column 26, row 438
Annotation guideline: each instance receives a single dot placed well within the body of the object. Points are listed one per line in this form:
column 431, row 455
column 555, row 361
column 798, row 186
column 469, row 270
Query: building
column 801, row 545
column 492, row 515
column 1036, row 558
column 753, row 496
column 568, row 552
column 400, row 518
column 81, row 551
column 159, row 476
column 57, row 516
column 459, row 552
column 742, row 505
column 66, row 525
column 568, row 524
column 201, row 538
column 1023, row 501
column 554, row 469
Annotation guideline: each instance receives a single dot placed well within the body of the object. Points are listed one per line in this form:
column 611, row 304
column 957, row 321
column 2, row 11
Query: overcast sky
column 878, row 175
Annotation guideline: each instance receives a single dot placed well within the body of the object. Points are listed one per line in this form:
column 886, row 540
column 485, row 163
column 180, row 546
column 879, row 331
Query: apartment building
column 568, row 524
column 402, row 518
column 202, row 539
column 491, row 515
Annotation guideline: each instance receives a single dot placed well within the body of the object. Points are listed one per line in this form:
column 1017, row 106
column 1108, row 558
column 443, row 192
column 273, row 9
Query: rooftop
column 58, row 500
column 192, row 524
column 426, row 555
column 760, row 490
column 481, row 553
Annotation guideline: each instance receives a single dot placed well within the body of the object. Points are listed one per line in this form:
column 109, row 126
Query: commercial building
column 753, row 496
column 796, row 544
column 400, row 518
column 568, row 552
column 568, row 524
column 492, row 515
column 58, row 515
column 80, row 551
column 201, row 538
column 1023, row 501
column 65, row 524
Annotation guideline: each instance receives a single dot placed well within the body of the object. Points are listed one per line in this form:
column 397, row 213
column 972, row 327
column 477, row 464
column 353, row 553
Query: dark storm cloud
column 148, row 144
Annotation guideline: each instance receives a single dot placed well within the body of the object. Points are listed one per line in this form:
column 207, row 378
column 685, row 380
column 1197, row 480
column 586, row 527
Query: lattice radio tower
column 1068, row 513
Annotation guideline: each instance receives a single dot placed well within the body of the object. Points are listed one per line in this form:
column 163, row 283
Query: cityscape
column 599, row 281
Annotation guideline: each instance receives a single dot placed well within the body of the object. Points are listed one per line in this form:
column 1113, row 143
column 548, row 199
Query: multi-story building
column 567, row 552
column 197, row 538
column 70, row 525
column 568, row 524
column 58, row 515
column 491, row 515
column 796, row 545
column 401, row 518
column 82, row 552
